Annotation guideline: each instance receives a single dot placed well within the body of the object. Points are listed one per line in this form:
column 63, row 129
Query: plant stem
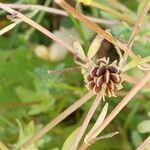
column 145, row 144
column 145, row 60
column 81, row 34
column 138, row 23
column 58, row 12
column 137, row 27
column 40, row 28
column 86, row 122
column 117, row 109
column 112, row 12
column 134, row 80
column 38, row 20
column 57, row 120
column 95, row 28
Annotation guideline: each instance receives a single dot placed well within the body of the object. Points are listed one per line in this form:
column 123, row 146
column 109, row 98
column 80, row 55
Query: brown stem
column 86, row 122
column 57, row 120
column 117, row 109
column 145, row 144
column 57, row 12
column 95, row 27
column 134, row 80
column 39, row 27
column 138, row 23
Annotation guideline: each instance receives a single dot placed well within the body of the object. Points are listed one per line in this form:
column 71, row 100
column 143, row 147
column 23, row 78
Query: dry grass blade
column 138, row 23
column 64, row 70
column 38, row 27
column 58, row 12
column 137, row 27
column 95, row 27
column 8, row 28
column 145, row 144
column 86, row 122
column 58, row 119
column 117, row 109
column 134, row 80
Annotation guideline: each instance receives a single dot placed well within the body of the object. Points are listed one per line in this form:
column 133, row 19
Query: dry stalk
column 145, row 144
column 134, row 80
column 112, row 11
column 58, row 119
column 86, row 122
column 38, row 27
column 124, row 93
column 95, row 27
column 7, row 28
column 138, row 23
column 116, row 110
column 137, row 27
column 58, row 12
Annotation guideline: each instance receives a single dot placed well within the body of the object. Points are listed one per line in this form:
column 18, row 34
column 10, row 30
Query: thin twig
column 117, row 109
column 64, row 70
column 138, row 23
column 113, row 12
column 134, row 80
column 39, row 27
column 86, row 122
column 15, row 22
column 58, row 12
column 7, row 28
column 38, row 20
column 124, row 93
column 107, row 136
column 145, row 144
column 95, row 27
column 58, row 119
column 130, row 79
column 137, row 27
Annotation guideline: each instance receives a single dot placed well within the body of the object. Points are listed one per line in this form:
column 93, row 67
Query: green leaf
column 24, row 134
column 144, row 126
column 141, row 6
column 70, row 139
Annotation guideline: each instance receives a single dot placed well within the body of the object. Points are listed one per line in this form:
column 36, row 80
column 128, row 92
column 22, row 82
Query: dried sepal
column 79, row 49
column 94, row 47
column 104, row 76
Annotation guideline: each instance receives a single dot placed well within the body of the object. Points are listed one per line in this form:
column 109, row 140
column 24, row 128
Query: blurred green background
column 30, row 97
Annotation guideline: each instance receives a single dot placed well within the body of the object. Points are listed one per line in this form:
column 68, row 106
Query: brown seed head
column 104, row 75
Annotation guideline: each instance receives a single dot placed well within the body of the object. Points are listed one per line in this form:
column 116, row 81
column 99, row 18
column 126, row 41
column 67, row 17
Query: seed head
column 104, row 76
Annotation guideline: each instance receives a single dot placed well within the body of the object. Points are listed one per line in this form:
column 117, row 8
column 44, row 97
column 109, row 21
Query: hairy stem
column 138, row 23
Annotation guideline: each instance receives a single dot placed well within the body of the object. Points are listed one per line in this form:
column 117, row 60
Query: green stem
column 131, row 116
column 145, row 60
column 113, row 12
column 38, row 20
column 78, row 28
